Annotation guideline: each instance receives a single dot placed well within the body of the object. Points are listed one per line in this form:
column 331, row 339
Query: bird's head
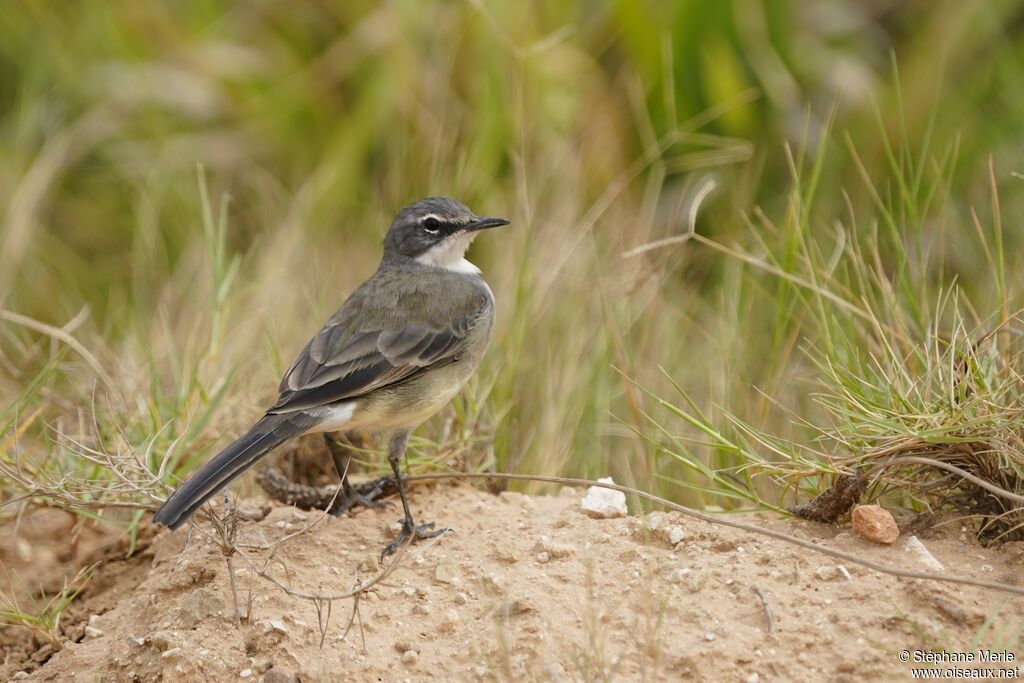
column 435, row 231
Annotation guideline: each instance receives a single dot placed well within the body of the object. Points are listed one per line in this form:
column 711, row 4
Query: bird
column 397, row 351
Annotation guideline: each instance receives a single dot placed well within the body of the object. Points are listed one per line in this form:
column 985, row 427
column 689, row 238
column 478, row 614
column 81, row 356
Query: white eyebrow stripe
column 446, row 221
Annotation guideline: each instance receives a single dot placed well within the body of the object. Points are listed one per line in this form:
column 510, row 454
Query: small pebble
column 603, row 503
column 826, row 573
column 451, row 620
column 674, row 534
column 875, row 523
column 404, row 646
column 914, row 546
column 410, row 657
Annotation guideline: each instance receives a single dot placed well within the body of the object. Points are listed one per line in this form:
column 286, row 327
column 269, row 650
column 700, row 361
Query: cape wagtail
column 395, row 353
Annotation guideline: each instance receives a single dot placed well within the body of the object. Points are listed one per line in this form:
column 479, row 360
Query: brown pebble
column 875, row 523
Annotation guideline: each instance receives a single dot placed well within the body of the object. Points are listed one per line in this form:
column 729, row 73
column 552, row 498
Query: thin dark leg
column 341, row 460
column 349, row 496
column 396, row 449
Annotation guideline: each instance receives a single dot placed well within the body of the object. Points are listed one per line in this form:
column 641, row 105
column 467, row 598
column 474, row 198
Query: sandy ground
column 526, row 588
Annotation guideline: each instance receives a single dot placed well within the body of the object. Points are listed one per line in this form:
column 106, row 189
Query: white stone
column 603, row 503
column 914, row 546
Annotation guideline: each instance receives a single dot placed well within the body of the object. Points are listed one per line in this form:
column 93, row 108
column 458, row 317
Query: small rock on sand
column 673, row 535
column 602, row 503
column 875, row 523
column 914, row 546
column 403, row 646
column 826, row 573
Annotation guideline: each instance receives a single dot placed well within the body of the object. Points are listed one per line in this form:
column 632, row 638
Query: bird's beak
column 484, row 223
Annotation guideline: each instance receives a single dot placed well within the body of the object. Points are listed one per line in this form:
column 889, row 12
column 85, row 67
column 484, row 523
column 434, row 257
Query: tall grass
column 911, row 381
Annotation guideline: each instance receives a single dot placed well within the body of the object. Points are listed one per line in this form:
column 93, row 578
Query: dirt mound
column 529, row 587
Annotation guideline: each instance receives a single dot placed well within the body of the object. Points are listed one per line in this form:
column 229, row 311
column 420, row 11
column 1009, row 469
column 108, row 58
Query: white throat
column 451, row 255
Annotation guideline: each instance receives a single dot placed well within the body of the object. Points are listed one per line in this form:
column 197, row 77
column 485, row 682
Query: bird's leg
column 396, row 449
column 350, row 497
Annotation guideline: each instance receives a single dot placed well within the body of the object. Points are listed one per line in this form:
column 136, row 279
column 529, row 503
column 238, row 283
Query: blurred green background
column 210, row 179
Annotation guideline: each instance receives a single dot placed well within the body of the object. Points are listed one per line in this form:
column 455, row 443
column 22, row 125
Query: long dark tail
column 270, row 432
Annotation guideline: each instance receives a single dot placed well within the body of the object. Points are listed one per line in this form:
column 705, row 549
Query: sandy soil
column 527, row 587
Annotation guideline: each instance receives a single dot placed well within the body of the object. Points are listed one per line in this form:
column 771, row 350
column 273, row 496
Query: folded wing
column 342, row 363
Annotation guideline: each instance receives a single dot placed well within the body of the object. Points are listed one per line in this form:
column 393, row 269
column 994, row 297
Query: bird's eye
column 431, row 224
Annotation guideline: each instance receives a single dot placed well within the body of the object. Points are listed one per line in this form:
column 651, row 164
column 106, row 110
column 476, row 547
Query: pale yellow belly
column 406, row 407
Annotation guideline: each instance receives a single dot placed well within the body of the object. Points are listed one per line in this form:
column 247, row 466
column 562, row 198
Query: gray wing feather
column 336, row 366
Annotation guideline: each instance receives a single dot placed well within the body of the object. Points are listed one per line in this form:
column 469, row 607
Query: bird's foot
column 417, row 532
column 362, row 497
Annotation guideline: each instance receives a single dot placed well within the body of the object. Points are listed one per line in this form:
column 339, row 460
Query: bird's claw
column 418, row 532
column 366, row 500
